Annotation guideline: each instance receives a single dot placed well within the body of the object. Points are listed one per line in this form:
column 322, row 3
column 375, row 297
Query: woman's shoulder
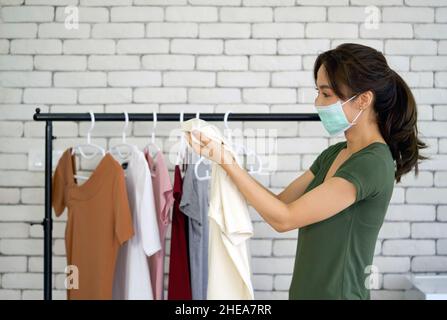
column 375, row 158
column 331, row 151
column 334, row 148
column 376, row 151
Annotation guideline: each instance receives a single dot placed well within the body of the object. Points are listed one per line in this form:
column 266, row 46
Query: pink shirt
column 164, row 199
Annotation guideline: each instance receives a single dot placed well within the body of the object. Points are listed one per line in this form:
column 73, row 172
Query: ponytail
column 398, row 126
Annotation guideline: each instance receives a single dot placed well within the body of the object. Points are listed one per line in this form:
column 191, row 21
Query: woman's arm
column 296, row 188
column 320, row 203
column 266, row 189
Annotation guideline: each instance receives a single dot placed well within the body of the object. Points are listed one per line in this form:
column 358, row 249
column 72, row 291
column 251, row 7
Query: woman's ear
column 365, row 99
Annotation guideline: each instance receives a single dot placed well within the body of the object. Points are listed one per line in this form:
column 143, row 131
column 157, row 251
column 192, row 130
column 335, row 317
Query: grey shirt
column 194, row 205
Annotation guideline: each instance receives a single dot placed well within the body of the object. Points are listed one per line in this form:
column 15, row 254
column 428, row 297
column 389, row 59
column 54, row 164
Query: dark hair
column 361, row 68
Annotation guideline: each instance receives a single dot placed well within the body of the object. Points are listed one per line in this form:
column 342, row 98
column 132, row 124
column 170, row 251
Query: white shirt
column 230, row 228
column 132, row 275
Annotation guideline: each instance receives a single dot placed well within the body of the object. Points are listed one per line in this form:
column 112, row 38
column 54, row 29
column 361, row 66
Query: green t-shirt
column 333, row 255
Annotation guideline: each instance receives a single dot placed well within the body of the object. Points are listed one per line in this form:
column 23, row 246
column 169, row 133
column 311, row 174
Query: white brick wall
column 212, row 56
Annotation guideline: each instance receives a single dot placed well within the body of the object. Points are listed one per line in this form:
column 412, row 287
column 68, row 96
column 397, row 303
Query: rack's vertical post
column 48, row 221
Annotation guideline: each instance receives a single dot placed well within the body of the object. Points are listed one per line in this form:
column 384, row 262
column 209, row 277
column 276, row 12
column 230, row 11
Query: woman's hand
column 209, row 148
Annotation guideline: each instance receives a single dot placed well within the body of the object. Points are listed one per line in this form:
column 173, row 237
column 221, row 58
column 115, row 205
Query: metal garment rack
column 49, row 118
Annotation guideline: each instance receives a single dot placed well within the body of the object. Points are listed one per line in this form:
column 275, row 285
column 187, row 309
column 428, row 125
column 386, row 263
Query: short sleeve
column 190, row 204
column 167, row 200
column 59, row 186
column 165, row 192
column 319, row 161
column 148, row 226
column 123, row 217
column 364, row 172
column 315, row 167
column 237, row 225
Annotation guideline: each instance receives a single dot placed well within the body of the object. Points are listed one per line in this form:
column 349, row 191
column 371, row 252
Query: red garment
column 179, row 286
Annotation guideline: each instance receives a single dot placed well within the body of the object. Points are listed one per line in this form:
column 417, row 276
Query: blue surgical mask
column 334, row 119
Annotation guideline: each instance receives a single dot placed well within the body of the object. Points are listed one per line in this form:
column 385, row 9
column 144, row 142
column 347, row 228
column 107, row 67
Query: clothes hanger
column 97, row 149
column 228, row 134
column 116, row 148
column 201, row 159
column 241, row 148
column 152, row 142
column 250, row 152
column 183, row 146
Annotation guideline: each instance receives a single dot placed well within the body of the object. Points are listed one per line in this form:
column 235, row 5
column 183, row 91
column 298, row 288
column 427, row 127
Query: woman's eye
column 325, row 95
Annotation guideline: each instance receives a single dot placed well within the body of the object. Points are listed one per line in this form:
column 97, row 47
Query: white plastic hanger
column 241, row 148
column 96, row 148
column 116, row 148
column 201, row 159
column 183, row 146
column 152, row 142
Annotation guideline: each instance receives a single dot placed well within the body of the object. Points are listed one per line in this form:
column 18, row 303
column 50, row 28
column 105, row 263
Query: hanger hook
column 226, row 118
column 182, row 150
column 126, row 124
column 92, row 126
column 201, row 159
column 154, row 118
column 198, row 117
column 227, row 127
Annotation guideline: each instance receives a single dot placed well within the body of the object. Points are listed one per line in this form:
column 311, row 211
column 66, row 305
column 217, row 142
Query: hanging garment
column 179, row 285
column 194, row 205
column 164, row 199
column 132, row 275
column 99, row 222
column 230, row 228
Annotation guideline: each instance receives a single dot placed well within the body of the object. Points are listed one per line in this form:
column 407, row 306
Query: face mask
column 334, row 119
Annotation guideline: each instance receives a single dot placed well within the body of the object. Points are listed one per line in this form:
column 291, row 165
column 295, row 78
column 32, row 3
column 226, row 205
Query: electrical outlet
column 36, row 159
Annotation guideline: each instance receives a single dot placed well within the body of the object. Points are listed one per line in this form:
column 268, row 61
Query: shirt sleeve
column 319, row 161
column 59, row 186
column 147, row 212
column 190, row 203
column 315, row 166
column 167, row 200
column 363, row 172
column 123, row 217
column 165, row 195
column 237, row 225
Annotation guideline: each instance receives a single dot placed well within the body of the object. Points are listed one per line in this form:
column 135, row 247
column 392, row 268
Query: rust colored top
column 99, row 222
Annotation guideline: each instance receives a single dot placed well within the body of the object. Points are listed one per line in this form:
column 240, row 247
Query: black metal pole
column 175, row 116
column 48, row 221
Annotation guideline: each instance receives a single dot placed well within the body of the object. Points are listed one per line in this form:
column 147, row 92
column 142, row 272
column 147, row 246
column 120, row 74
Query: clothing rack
column 49, row 118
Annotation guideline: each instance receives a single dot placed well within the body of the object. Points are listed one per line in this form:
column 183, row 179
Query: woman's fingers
column 198, row 148
column 191, row 142
column 203, row 143
column 204, row 140
column 205, row 146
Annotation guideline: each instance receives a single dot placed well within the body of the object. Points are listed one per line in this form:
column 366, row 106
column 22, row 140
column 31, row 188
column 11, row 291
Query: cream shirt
column 230, row 228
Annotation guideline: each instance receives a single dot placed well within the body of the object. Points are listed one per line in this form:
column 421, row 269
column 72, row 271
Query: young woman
column 339, row 204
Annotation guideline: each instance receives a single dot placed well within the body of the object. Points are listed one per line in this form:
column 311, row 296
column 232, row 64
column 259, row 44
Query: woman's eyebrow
column 324, row 86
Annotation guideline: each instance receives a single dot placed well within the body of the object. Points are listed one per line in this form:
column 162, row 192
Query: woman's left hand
column 209, row 148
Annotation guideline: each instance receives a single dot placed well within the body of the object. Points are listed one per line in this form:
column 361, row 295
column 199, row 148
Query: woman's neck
column 358, row 137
